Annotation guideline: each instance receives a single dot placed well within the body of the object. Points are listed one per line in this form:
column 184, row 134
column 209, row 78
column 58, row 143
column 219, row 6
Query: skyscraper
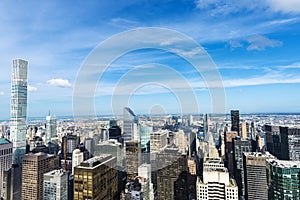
column 290, row 143
column 206, row 123
column 158, row 140
column 34, row 167
column 5, row 158
column 235, row 121
column 69, row 144
column 216, row 182
column 240, row 146
column 50, row 128
column 77, row 158
column 130, row 122
column 56, row 185
column 96, row 178
column 133, row 159
column 255, row 176
column 283, row 179
column 18, row 109
column 283, row 142
column 12, row 183
column 172, row 171
column 145, row 131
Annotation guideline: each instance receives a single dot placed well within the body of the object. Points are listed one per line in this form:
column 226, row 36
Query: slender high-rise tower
column 50, row 128
column 18, row 109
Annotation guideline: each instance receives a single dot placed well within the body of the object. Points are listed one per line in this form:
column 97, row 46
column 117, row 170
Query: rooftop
column 284, row 163
column 4, row 141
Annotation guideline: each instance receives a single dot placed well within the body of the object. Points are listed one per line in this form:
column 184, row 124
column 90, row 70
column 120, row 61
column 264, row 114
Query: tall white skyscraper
column 18, row 109
column 50, row 128
column 130, row 123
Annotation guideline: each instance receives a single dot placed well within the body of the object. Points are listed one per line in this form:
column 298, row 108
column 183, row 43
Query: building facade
column 77, row 158
column 216, row 183
column 130, row 125
column 50, row 128
column 133, row 159
column 255, row 176
column 34, row 167
column 96, row 178
column 56, row 185
column 172, row 171
column 235, row 121
column 240, row 146
column 158, row 140
column 6, row 149
column 283, row 179
column 18, row 109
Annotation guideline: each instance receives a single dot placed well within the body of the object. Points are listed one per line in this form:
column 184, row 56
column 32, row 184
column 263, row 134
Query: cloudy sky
column 253, row 43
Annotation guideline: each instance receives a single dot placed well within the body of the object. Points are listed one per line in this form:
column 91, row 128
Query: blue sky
column 255, row 45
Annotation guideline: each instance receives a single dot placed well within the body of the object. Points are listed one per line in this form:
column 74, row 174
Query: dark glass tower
column 235, row 121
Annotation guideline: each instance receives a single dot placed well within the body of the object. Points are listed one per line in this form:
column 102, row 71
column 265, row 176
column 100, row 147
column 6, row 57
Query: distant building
column 158, row 140
column 96, row 178
column 235, row 121
column 115, row 133
column 56, row 185
column 180, row 140
column 192, row 166
column 77, row 158
column 69, row 144
column 283, row 179
column 290, row 143
column 228, row 137
column 133, row 159
column 34, row 167
column 216, row 182
column 130, row 122
column 255, row 176
column 50, row 128
column 273, row 140
column 89, row 145
column 145, row 132
column 240, row 146
column 244, row 130
column 113, row 123
column 6, row 149
column 18, row 109
column 112, row 147
column 206, row 123
column 283, row 142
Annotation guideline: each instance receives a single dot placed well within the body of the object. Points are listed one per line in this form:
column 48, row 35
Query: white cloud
column 286, row 6
column 235, row 6
column 260, row 43
column 63, row 83
column 1, row 93
column 291, row 66
column 203, row 4
column 31, row 88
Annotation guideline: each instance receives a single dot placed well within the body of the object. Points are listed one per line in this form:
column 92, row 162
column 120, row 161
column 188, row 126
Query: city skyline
column 254, row 46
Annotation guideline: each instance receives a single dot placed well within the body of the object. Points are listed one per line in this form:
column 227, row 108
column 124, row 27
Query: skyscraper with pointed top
column 18, row 109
